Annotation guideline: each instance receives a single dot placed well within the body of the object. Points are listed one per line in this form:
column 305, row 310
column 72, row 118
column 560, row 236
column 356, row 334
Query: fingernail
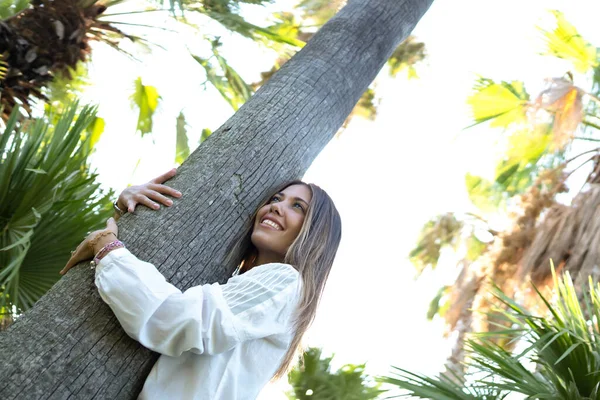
column 169, row 202
column 155, row 206
column 178, row 193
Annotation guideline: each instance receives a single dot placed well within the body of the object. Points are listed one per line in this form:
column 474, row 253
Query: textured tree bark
column 70, row 345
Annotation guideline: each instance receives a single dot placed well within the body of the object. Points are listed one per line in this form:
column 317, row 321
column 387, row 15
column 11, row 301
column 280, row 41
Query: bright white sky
column 387, row 177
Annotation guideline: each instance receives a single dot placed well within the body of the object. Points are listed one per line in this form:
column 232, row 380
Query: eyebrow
column 295, row 198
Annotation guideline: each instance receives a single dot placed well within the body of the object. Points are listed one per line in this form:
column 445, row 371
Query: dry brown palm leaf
column 48, row 37
column 564, row 100
column 470, row 306
column 459, row 314
column 461, row 295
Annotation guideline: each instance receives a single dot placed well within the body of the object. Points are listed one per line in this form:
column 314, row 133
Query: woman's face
column 278, row 223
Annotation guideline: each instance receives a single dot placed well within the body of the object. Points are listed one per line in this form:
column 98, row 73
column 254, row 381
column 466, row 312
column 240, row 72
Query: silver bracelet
column 117, row 209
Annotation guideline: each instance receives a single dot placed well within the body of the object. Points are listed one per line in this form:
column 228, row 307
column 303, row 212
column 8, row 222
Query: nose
column 275, row 208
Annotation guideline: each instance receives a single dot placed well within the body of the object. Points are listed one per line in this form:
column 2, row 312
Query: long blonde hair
column 312, row 254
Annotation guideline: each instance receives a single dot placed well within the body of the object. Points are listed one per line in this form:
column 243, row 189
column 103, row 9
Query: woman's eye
column 299, row 206
column 274, row 198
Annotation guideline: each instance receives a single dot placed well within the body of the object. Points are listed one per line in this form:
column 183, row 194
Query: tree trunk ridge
column 70, row 345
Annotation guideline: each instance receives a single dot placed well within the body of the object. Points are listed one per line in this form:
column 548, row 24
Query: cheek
column 296, row 225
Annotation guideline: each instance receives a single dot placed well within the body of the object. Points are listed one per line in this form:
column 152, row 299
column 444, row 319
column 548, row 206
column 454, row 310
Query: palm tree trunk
column 69, row 343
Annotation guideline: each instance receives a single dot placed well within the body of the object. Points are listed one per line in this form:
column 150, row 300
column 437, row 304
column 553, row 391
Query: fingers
column 141, row 199
column 154, row 195
column 131, row 205
column 80, row 254
column 164, row 177
column 164, row 189
column 150, row 194
column 151, row 198
column 111, row 225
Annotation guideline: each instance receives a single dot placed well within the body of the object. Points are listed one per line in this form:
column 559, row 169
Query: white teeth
column 271, row 223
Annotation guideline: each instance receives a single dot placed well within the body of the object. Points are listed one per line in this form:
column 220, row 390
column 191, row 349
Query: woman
column 222, row 341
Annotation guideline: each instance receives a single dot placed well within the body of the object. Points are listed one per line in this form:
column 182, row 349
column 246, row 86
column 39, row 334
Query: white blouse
column 217, row 341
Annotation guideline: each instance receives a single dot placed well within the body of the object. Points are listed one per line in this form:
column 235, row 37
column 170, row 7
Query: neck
column 260, row 259
column 263, row 258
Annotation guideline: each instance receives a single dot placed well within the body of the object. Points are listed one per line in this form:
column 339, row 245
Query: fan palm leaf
column 502, row 104
column 565, row 42
column 49, row 200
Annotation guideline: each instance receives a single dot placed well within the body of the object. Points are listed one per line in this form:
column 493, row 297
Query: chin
column 260, row 240
column 264, row 243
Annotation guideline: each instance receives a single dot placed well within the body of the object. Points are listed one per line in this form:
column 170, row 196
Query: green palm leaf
column 561, row 360
column 501, row 103
column 182, row 149
column 445, row 387
column 224, row 78
column 566, row 43
column 314, row 380
column 49, row 200
column 8, row 8
column 145, row 98
column 238, row 24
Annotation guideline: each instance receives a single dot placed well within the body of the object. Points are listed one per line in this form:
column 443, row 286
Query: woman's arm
column 206, row 319
column 144, row 194
column 149, row 194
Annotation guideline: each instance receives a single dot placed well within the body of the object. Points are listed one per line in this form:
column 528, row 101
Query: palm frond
column 145, row 98
column 561, row 359
column 444, row 387
column 49, row 200
column 238, row 24
column 182, row 149
column 224, row 78
column 565, row 42
column 406, row 56
column 502, row 104
column 313, row 379
column 566, row 345
column 563, row 100
column 443, row 230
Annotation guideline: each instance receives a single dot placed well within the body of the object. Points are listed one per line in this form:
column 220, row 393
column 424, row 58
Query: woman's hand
column 149, row 194
column 92, row 244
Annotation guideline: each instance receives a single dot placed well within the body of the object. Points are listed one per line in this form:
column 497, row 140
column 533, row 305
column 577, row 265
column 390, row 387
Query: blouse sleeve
column 209, row 319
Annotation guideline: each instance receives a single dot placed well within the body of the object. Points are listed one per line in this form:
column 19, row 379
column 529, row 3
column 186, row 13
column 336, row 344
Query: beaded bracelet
column 116, row 244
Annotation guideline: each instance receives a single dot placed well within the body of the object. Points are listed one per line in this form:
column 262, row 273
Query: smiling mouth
column 271, row 224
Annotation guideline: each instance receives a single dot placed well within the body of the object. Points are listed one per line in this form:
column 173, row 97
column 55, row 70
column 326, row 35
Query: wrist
column 102, row 242
column 101, row 239
column 113, row 245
